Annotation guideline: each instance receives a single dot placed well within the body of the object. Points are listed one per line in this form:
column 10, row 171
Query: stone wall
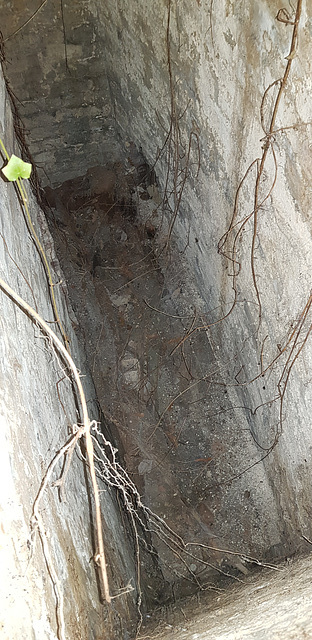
column 63, row 88
column 214, row 427
column 222, row 59
column 37, row 413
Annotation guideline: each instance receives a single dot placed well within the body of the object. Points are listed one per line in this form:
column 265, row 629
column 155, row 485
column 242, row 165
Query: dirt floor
column 131, row 308
column 269, row 605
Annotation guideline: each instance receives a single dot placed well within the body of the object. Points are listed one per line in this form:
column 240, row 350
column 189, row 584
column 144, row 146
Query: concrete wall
column 223, row 56
column 222, row 60
column 37, row 412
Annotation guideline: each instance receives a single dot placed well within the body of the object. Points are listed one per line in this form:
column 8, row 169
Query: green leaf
column 16, row 168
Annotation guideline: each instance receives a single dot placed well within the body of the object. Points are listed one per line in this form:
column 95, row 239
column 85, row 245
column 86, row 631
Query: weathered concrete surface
column 275, row 605
column 204, row 411
column 222, row 60
column 37, row 413
column 202, row 404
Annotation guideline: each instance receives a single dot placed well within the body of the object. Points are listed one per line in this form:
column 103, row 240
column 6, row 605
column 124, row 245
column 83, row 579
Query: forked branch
column 35, row 317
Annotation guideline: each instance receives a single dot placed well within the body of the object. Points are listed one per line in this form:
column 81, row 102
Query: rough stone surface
column 37, row 413
column 274, row 605
column 62, row 85
column 212, row 417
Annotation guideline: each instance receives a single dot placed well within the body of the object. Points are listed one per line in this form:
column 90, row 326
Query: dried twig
column 100, row 556
column 37, row 523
